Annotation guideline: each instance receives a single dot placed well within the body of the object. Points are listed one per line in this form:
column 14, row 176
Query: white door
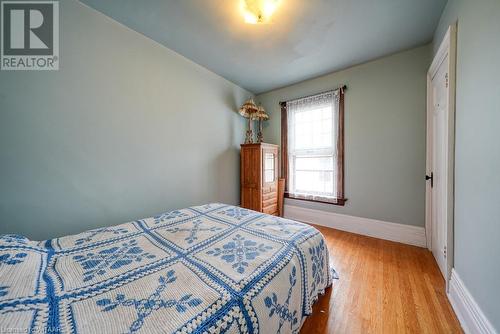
column 439, row 88
column 440, row 153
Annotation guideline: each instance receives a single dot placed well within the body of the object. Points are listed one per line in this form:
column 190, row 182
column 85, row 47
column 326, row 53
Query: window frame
column 339, row 158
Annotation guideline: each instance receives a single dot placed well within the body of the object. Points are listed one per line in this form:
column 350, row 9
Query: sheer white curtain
column 312, row 146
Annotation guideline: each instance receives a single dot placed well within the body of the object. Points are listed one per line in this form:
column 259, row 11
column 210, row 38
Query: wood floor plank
column 384, row 287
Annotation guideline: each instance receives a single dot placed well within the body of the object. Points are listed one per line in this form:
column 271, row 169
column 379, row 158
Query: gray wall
column 384, row 135
column 477, row 156
column 124, row 130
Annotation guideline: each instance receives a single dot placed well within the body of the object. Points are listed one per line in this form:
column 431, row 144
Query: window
column 312, row 147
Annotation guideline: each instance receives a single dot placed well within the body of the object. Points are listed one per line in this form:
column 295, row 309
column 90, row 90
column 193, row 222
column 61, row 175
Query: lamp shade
column 261, row 113
column 248, row 109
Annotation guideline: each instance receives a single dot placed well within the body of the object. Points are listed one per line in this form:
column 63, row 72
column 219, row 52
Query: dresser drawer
column 268, row 202
column 268, row 196
column 269, row 189
column 271, row 209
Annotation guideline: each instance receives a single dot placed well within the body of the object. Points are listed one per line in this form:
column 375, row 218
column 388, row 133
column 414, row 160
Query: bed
column 214, row 268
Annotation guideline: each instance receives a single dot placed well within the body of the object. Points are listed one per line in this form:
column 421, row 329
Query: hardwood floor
column 384, row 287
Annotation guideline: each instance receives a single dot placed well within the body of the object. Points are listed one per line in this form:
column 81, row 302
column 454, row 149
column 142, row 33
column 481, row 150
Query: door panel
column 439, row 146
column 250, row 179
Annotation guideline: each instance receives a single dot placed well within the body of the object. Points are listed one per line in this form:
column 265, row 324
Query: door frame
column 448, row 48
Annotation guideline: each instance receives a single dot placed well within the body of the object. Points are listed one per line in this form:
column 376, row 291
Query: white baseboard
column 469, row 314
column 406, row 234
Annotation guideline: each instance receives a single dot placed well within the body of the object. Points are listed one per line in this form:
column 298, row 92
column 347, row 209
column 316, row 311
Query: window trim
column 334, row 201
column 340, row 199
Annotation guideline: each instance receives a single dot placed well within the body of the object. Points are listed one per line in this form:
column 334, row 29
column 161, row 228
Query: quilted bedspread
column 214, row 268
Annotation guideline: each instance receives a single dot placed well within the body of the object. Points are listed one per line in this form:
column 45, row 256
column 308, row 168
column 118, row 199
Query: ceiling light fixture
column 258, row 11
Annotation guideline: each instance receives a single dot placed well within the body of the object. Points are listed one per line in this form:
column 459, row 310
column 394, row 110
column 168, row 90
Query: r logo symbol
column 28, row 29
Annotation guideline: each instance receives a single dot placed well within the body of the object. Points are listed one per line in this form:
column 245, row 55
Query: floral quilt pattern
column 214, row 268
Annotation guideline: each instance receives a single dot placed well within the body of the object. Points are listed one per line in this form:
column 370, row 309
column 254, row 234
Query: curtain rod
column 343, row 87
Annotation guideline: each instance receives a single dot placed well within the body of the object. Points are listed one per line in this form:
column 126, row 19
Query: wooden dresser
column 259, row 177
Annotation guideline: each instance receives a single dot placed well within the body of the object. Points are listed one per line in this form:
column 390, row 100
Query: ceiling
column 306, row 38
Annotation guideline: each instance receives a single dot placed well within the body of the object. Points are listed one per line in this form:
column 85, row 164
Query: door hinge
column 427, row 177
column 446, row 79
column 444, row 251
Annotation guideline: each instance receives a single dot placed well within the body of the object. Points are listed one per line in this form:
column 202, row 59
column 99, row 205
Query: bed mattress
column 214, row 268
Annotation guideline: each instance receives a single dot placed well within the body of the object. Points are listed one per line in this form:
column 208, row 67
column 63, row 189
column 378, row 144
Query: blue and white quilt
column 207, row 269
